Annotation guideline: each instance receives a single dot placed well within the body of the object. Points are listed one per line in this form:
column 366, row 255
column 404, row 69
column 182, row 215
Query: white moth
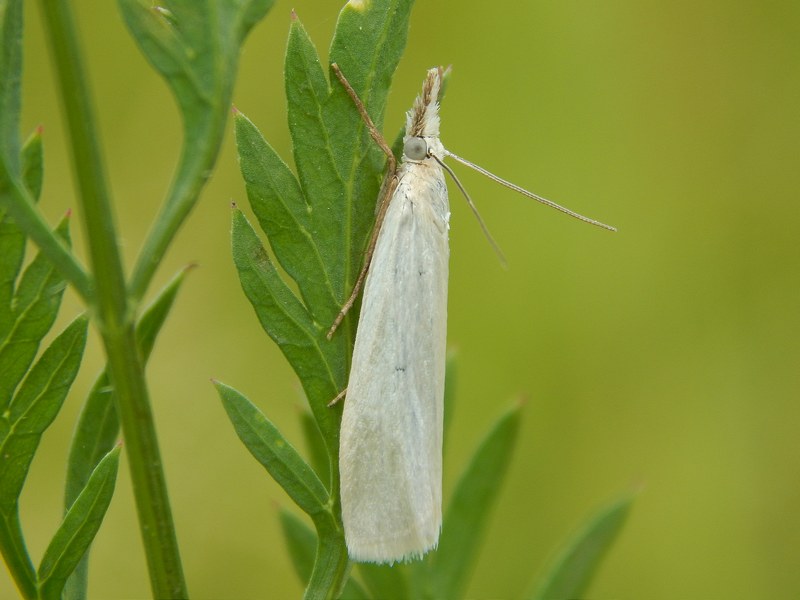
column 390, row 451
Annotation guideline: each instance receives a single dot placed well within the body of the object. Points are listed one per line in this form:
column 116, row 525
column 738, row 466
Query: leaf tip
column 293, row 16
column 39, row 130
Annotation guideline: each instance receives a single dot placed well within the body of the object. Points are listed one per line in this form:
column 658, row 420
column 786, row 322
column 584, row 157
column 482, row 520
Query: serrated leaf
column 286, row 320
column 370, row 39
column 319, row 226
column 35, row 406
column 98, row 425
column 339, row 167
column 569, row 575
column 281, row 209
column 319, row 237
column 274, row 452
column 78, row 529
column 322, row 166
column 33, row 310
column 445, row 573
column 302, row 543
column 194, row 44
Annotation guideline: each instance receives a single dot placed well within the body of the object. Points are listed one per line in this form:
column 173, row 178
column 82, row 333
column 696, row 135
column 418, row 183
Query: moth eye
column 415, row 148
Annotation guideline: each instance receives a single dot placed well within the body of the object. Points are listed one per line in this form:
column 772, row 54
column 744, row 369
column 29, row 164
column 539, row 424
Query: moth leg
column 362, row 110
column 387, row 190
column 338, row 397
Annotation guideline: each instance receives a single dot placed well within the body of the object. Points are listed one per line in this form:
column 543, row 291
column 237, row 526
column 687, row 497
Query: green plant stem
column 115, row 320
column 93, row 196
column 150, row 489
column 331, row 565
column 20, row 205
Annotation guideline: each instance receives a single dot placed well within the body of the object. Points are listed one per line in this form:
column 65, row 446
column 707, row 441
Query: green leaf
column 318, row 223
column 33, row 164
column 24, row 319
column 98, row 427
column 445, row 573
column 12, row 239
column 12, row 251
column 282, row 211
column 285, row 319
column 98, row 424
column 318, row 456
column 35, row 406
column 370, row 39
column 10, row 77
column 194, row 45
column 32, row 410
column 339, row 166
column 20, row 178
column 27, row 320
column 286, row 466
column 271, row 449
column 78, row 529
column 322, row 171
column 569, row 574
column 302, row 542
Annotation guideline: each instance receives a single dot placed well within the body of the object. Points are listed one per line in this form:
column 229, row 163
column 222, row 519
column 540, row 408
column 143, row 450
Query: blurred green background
column 665, row 356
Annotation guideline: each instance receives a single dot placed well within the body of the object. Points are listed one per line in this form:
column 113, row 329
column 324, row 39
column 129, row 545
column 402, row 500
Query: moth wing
column 391, row 435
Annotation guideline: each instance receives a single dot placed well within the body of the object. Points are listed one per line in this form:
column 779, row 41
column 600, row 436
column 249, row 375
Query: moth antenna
column 523, row 191
column 474, row 208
